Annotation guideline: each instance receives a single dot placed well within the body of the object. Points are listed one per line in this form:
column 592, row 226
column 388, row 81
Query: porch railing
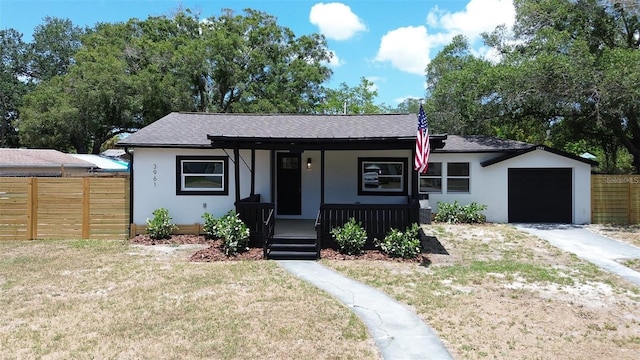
column 318, row 225
column 377, row 219
column 268, row 228
column 254, row 214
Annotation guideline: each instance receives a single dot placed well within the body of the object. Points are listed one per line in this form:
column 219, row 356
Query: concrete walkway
column 397, row 331
column 589, row 246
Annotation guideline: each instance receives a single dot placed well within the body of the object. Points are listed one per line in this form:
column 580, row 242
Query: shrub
column 209, row 227
column 351, row 237
column 160, row 227
column 454, row 213
column 401, row 244
column 472, row 213
column 233, row 232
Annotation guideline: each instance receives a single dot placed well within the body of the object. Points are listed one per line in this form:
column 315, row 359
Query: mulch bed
column 214, row 251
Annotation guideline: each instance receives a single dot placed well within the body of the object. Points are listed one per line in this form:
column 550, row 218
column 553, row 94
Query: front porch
column 304, row 238
column 367, row 178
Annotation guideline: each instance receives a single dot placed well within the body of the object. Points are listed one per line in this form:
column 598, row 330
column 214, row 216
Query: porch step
column 292, row 249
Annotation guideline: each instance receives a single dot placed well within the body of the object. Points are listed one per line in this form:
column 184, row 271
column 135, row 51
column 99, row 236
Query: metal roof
column 103, row 163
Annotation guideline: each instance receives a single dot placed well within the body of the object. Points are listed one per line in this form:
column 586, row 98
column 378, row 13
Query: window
column 431, row 182
column 458, row 177
column 202, row 175
column 382, row 176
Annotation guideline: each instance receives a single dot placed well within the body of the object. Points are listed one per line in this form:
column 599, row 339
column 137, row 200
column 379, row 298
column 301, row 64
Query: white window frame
column 181, row 177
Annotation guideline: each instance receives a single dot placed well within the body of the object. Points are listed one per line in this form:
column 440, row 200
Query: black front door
column 289, row 188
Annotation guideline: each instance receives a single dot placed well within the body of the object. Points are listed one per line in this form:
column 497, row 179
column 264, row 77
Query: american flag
column 421, row 162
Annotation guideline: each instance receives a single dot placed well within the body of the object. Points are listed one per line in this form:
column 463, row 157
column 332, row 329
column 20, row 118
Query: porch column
column 322, row 176
column 236, row 165
column 415, row 176
column 253, row 172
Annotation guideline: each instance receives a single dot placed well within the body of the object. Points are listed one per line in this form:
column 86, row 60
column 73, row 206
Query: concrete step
column 291, row 255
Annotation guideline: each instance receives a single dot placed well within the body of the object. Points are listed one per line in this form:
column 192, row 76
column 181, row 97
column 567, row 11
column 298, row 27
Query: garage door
column 540, row 195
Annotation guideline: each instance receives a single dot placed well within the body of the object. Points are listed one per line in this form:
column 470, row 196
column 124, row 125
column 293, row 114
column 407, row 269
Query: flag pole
column 422, row 149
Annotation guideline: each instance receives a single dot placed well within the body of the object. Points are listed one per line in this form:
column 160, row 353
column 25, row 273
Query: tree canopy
column 567, row 76
column 351, row 100
column 13, row 68
column 90, row 85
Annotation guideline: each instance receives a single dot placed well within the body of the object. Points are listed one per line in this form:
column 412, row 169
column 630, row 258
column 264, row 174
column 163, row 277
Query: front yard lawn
column 503, row 294
column 105, row 299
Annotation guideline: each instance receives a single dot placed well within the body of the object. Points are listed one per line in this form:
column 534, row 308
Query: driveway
column 589, row 246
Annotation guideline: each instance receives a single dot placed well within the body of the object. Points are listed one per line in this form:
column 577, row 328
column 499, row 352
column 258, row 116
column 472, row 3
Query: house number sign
column 155, row 174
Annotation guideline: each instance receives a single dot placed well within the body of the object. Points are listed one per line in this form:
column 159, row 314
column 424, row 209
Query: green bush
column 160, row 227
column 351, row 237
column 233, row 232
column 401, row 244
column 454, row 213
column 472, row 213
column 209, row 227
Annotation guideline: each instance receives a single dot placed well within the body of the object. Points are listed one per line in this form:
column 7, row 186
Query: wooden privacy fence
column 615, row 199
column 64, row 208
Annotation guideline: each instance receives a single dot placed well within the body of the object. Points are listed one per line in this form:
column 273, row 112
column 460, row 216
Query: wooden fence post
column 86, row 194
column 32, row 203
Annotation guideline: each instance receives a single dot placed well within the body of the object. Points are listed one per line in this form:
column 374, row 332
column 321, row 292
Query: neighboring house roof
column 103, row 163
column 39, row 158
column 113, row 153
column 533, row 148
column 201, row 129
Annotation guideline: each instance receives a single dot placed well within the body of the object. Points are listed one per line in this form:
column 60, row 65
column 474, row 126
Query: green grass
column 479, row 270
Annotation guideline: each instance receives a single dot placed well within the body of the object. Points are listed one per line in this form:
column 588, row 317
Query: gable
column 517, row 155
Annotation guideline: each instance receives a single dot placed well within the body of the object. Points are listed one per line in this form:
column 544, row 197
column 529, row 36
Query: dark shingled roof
column 479, row 143
column 192, row 129
column 199, row 129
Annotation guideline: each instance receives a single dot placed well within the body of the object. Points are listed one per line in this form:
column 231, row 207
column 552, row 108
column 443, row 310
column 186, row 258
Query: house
column 41, row 162
column 327, row 168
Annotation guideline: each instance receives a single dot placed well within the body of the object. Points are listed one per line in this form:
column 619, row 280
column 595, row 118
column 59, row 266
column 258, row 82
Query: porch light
column 308, row 163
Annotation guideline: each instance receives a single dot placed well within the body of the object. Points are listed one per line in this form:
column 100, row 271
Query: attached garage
column 540, row 195
column 537, row 184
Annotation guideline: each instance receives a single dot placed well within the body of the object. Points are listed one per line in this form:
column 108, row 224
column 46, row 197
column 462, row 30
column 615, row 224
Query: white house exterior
column 335, row 165
column 154, row 182
column 489, row 184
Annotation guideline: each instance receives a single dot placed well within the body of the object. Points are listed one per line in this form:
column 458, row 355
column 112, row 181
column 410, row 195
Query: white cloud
column 487, row 53
column 336, row 20
column 478, row 16
column 406, row 48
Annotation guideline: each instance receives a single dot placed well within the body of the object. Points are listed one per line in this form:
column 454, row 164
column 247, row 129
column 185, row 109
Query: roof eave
column 533, row 148
column 160, row 145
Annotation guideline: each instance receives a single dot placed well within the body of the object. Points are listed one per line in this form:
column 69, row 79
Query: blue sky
column 389, row 42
